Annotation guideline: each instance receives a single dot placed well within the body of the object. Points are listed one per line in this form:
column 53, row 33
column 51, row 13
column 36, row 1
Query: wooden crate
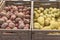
column 19, row 34
column 38, row 34
column 15, row 34
column 43, row 35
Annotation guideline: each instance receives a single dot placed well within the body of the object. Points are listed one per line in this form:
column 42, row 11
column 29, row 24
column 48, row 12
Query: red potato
column 24, row 10
column 15, row 28
column 8, row 28
column 15, row 8
column 21, row 21
column 16, row 12
column 8, row 14
column 25, row 7
column 2, row 14
column 12, row 6
column 18, row 19
column 21, row 25
column 4, row 25
column 12, row 10
column 13, row 21
column 9, row 7
column 4, row 11
column 26, row 21
column 27, row 12
column 13, row 17
column 5, row 18
column 8, row 21
column 20, row 10
column 2, row 21
column 27, row 26
column 21, row 15
column 27, row 16
column 20, row 7
column 16, row 25
column 24, row 13
column 11, row 25
column 6, row 8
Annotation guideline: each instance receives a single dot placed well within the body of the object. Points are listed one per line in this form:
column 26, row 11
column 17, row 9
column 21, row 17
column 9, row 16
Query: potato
column 14, row 7
column 5, row 18
column 8, row 28
column 24, row 10
column 13, row 17
column 16, row 25
column 24, row 13
column 21, row 15
column 8, row 21
column 12, row 10
column 20, row 7
column 11, row 25
column 18, row 19
column 6, row 8
column 27, row 16
column 37, row 25
column 15, row 28
column 27, row 12
column 20, row 10
column 4, row 11
column 21, row 25
column 2, row 14
column 9, row 7
column 25, row 7
column 47, row 22
column 4, row 25
column 41, row 20
column 13, row 21
column 1, row 21
column 27, row 25
column 16, row 12
column 8, row 14
column 26, row 21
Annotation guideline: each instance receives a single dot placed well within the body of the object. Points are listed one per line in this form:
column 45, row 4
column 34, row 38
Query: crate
column 46, row 4
column 19, row 34
column 43, row 35
column 15, row 34
column 2, row 5
column 41, row 0
column 38, row 34
column 12, row 0
column 58, row 0
column 1, row 2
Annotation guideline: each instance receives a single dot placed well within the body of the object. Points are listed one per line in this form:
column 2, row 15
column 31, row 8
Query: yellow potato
column 41, row 20
column 37, row 25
